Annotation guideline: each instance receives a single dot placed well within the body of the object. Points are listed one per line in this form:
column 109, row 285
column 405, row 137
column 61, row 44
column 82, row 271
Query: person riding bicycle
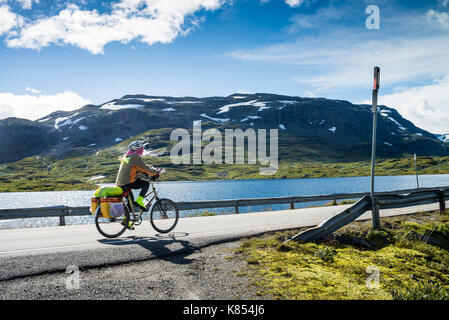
column 131, row 166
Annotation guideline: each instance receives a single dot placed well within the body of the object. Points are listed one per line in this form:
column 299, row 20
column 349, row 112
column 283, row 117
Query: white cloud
column 294, row 3
column 438, row 18
column 327, row 64
column 27, row 4
column 444, row 3
column 35, row 91
column 426, row 106
column 150, row 21
column 39, row 105
column 8, row 19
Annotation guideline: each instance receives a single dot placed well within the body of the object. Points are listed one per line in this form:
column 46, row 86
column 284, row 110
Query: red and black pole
column 375, row 211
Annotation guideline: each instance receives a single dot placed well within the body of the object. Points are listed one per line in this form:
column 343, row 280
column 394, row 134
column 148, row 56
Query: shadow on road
column 163, row 246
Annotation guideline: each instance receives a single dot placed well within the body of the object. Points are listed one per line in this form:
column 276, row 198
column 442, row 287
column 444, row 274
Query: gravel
column 214, row 272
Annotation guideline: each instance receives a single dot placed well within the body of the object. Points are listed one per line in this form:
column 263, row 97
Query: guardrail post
column 292, row 205
column 236, row 209
column 442, row 201
column 62, row 221
column 375, row 214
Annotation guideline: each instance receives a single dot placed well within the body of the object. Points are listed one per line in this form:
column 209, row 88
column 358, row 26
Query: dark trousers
column 139, row 184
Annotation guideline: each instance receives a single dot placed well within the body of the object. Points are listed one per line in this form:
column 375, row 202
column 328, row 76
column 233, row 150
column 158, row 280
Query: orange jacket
column 130, row 167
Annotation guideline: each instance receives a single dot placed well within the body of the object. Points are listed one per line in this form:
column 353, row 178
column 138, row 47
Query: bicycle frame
column 131, row 204
column 152, row 192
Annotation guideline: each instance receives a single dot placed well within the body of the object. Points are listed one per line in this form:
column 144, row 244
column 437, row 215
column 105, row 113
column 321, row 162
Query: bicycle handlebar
column 152, row 178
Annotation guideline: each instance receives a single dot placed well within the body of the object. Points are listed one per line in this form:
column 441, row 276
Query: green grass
column 410, row 252
column 204, row 213
column 38, row 174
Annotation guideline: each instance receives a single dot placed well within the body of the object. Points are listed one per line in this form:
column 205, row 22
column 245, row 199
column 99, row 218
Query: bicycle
column 163, row 214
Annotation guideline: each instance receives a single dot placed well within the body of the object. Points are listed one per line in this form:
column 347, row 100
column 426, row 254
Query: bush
column 326, row 254
column 379, row 238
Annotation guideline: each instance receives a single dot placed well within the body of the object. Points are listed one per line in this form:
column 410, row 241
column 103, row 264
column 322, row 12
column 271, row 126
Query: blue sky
column 60, row 55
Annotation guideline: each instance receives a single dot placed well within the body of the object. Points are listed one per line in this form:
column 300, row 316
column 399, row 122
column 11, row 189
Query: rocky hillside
column 309, row 128
column 20, row 138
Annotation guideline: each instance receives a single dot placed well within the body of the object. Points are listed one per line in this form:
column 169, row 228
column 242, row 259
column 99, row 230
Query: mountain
column 315, row 129
column 20, row 138
column 443, row 137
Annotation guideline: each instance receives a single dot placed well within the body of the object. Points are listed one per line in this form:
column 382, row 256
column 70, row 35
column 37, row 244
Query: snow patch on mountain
column 186, row 102
column 397, row 123
column 145, row 100
column 97, row 178
column 113, row 106
column 288, row 101
column 253, row 103
column 443, row 137
column 214, row 119
column 65, row 121
column 384, row 112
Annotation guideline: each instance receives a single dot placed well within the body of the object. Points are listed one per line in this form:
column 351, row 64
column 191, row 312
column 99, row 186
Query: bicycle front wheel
column 164, row 215
column 111, row 227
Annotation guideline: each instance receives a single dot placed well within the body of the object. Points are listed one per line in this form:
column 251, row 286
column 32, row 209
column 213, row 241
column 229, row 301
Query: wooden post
column 62, row 221
column 292, row 205
column 442, row 201
column 236, row 209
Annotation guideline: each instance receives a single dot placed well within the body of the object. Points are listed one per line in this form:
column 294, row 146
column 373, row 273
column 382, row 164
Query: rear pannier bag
column 113, row 193
column 111, row 207
column 94, row 204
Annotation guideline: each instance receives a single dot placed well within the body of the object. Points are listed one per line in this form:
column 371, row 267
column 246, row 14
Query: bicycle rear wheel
column 164, row 215
column 111, row 227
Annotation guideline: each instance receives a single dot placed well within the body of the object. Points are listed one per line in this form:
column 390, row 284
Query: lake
column 216, row 190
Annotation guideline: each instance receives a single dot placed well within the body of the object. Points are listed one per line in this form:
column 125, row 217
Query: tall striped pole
column 416, row 171
column 375, row 211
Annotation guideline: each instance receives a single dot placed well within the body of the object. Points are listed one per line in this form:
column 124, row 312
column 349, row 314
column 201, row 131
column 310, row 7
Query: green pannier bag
column 108, row 192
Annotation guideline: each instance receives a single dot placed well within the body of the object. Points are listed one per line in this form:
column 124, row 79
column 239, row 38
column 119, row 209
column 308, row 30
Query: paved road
column 36, row 251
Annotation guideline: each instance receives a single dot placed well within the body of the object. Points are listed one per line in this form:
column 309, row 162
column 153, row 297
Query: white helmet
column 135, row 145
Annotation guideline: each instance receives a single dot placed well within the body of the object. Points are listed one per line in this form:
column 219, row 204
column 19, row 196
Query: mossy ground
column 410, row 252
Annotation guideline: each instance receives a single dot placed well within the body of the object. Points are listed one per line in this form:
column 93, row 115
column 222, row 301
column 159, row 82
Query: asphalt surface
column 44, row 251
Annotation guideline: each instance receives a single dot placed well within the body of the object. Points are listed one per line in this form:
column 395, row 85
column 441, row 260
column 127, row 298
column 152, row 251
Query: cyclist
column 132, row 165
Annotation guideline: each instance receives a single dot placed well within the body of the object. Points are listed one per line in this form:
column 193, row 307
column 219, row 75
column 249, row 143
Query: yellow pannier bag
column 94, row 204
column 110, row 207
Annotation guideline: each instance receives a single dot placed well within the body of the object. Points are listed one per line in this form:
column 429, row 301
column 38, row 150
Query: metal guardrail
column 389, row 199
column 382, row 201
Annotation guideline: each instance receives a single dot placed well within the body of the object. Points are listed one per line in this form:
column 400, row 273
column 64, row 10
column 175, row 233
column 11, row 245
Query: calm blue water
column 217, row 190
